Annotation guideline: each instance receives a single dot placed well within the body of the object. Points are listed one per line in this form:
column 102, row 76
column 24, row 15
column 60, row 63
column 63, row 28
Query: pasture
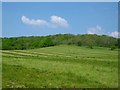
column 60, row 66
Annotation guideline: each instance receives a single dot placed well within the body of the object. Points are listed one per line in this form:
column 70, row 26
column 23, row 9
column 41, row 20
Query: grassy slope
column 0, row 69
column 60, row 66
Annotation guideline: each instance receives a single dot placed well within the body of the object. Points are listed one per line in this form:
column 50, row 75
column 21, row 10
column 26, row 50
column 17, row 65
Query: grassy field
column 60, row 67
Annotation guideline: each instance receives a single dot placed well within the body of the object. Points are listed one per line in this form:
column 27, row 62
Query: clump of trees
column 32, row 42
column 113, row 47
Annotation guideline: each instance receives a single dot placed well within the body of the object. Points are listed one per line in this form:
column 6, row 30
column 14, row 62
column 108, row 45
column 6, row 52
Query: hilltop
column 31, row 42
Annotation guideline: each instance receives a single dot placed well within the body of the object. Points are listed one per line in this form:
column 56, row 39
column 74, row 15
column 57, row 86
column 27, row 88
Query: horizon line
column 55, row 34
column 59, row 1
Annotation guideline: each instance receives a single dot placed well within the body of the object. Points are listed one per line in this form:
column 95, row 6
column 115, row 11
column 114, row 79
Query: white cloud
column 37, row 22
column 94, row 30
column 98, row 30
column 115, row 34
column 54, row 22
column 59, row 21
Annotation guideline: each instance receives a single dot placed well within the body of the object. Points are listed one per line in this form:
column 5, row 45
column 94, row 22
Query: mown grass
column 60, row 67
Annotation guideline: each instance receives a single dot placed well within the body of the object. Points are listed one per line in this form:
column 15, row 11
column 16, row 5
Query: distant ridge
column 31, row 42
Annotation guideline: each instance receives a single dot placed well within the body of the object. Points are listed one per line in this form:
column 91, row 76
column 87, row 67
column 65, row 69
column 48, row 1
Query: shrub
column 79, row 43
column 113, row 47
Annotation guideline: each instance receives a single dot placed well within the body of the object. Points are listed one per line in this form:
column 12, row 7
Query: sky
column 0, row 19
column 60, row 0
column 49, row 18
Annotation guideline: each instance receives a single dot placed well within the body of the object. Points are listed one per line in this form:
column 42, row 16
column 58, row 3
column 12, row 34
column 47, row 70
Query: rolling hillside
column 33, row 42
column 60, row 66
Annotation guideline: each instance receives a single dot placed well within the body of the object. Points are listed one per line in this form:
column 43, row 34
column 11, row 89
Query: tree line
column 31, row 42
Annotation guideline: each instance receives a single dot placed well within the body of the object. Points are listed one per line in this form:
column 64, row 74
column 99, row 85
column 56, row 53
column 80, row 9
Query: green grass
column 60, row 67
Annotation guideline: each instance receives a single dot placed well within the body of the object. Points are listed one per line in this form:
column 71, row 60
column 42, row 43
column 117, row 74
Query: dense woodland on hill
column 31, row 42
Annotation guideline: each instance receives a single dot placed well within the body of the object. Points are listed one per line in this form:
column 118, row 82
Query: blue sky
column 0, row 19
column 38, row 19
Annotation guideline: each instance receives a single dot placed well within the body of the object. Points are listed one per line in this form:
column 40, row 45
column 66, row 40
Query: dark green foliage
column 90, row 46
column 0, row 43
column 113, row 47
column 46, row 42
column 79, row 43
column 22, row 43
column 118, row 43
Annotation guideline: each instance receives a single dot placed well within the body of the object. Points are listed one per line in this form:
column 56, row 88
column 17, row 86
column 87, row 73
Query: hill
column 31, row 42
column 60, row 66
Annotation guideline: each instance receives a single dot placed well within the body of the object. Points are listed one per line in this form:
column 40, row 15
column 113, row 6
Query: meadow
column 61, row 66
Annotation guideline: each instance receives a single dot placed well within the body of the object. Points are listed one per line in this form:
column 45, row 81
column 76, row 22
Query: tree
column 52, row 40
column 47, row 42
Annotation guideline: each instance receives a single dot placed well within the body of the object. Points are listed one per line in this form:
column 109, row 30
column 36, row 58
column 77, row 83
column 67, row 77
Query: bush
column 79, row 43
column 113, row 47
column 90, row 46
